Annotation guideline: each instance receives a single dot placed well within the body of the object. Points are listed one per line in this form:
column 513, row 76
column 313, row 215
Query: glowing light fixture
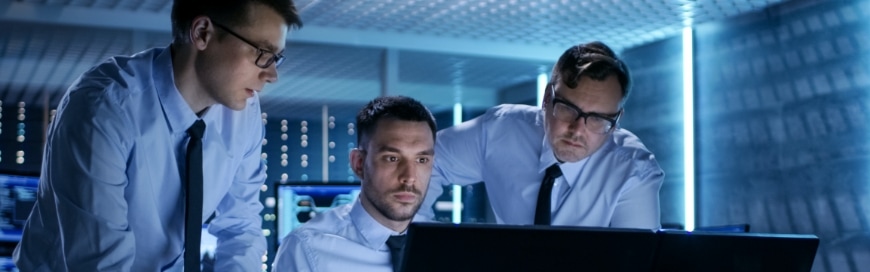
column 688, row 130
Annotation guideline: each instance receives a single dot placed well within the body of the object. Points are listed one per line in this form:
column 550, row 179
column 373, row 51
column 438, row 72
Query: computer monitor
column 739, row 252
column 6, row 265
column 17, row 196
column 298, row 202
column 488, row 247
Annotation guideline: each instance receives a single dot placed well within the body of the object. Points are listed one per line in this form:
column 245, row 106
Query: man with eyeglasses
column 566, row 163
column 145, row 148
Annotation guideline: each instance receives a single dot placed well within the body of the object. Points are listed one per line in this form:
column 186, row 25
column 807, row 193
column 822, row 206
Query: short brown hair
column 398, row 107
column 229, row 12
column 595, row 60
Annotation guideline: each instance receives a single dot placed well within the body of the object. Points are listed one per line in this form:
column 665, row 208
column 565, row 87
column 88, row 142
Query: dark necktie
column 396, row 243
column 542, row 210
column 193, row 198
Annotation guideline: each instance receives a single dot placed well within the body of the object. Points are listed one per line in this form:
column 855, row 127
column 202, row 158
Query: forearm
column 240, row 251
column 458, row 161
column 238, row 227
column 434, row 191
column 238, row 224
column 639, row 206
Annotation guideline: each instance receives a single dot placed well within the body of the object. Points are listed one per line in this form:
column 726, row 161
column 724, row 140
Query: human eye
column 598, row 123
column 598, row 119
column 565, row 113
column 270, row 54
column 390, row 158
column 423, row 160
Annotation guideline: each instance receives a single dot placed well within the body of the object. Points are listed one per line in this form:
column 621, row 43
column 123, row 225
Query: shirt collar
column 374, row 234
column 176, row 111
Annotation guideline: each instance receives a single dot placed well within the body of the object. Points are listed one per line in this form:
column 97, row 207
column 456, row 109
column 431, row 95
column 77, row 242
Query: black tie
column 193, row 198
column 396, row 243
column 542, row 211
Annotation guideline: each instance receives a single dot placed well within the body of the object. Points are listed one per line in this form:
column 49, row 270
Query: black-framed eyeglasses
column 264, row 57
column 566, row 111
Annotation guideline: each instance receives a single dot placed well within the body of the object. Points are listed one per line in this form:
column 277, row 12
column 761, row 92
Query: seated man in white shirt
column 394, row 162
column 565, row 163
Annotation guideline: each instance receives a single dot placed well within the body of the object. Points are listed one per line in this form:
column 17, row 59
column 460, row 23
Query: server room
column 744, row 144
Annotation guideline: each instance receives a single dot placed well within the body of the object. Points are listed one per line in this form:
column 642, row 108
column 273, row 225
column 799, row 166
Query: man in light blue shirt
column 112, row 191
column 604, row 175
column 394, row 162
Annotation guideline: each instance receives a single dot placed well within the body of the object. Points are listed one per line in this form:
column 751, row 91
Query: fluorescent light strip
column 542, row 86
column 688, row 130
column 457, row 190
column 324, row 115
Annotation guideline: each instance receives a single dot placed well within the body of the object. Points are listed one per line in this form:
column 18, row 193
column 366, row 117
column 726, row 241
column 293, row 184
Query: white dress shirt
column 345, row 238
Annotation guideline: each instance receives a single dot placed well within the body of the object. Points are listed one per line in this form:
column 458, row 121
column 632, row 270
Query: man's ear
column 357, row 162
column 201, row 32
column 548, row 96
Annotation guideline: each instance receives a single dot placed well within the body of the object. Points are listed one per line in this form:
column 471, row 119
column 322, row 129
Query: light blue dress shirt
column 617, row 186
column 110, row 194
column 345, row 238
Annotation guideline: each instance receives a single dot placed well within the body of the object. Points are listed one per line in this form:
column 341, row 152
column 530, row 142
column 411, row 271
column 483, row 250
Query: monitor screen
column 6, row 265
column 17, row 196
column 492, row 247
column 299, row 202
column 699, row 251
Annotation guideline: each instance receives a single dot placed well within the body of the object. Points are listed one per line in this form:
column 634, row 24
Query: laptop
column 489, row 247
column 740, row 252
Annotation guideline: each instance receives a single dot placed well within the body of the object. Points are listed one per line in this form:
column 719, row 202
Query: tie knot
column 554, row 171
column 396, row 242
column 197, row 129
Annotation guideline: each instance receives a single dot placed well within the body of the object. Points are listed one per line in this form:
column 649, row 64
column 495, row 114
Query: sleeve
column 238, row 225
column 294, row 254
column 85, row 168
column 459, row 154
column 638, row 206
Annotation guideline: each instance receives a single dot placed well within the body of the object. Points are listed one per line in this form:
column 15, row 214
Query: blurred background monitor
column 298, row 202
column 6, row 265
column 17, row 196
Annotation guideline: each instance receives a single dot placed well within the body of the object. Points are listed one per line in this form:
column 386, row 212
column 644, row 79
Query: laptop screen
column 484, row 247
column 487, row 247
column 699, row 251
